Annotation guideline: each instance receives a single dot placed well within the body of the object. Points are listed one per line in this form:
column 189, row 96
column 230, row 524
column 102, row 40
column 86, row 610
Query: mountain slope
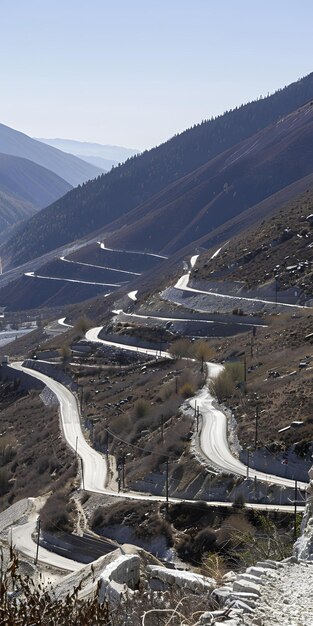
column 30, row 181
column 100, row 202
column 104, row 164
column 12, row 210
column 238, row 179
column 278, row 252
column 26, row 187
column 70, row 168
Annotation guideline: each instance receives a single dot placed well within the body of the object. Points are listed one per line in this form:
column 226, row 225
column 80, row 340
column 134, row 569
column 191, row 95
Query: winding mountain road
column 213, row 438
column 104, row 247
column 93, row 336
column 71, row 280
column 22, row 539
column 100, row 267
column 182, row 285
column 94, row 465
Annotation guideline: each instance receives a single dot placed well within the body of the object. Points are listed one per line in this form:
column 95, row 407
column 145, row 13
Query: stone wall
column 26, row 381
column 53, row 371
column 120, row 576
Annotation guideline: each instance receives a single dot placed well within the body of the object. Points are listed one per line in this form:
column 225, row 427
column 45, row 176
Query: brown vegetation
column 33, row 456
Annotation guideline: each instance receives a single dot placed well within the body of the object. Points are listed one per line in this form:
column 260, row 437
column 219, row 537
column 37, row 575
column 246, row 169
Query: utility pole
column 256, row 427
column 38, row 538
column 166, row 486
column 197, row 417
column 295, row 511
column 248, row 462
column 123, row 471
column 81, row 397
column 244, row 367
column 82, row 468
column 107, row 443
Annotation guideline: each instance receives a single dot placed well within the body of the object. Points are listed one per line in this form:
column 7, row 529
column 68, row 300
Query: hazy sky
column 135, row 72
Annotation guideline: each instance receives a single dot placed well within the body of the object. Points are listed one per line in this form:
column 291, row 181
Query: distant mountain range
column 197, row 189
column 103, row 156
column 72, row 169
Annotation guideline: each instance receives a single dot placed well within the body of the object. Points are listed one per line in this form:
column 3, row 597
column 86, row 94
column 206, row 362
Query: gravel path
column 286, row 598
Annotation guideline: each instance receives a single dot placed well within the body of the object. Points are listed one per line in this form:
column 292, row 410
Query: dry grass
column 281, row 400
column 32, row 454
column 144, row 518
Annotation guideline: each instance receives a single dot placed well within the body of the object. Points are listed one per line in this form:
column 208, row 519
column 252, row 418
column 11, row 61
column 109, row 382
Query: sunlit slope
column 133, row 184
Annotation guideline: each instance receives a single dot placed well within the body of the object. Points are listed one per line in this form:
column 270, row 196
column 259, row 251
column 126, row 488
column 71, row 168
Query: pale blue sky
column 135, row 72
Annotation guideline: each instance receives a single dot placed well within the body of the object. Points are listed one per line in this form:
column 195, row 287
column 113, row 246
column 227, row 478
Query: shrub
column 214, row 566
column 181, row 348
column 7, row 449
column 57, row 513
column 204, row 540
column 119, row 425
column 236, row 370
column 192, row 548
column 42, row 465
column 239, row 501
column 187, row 390
column 65, row 353
column 202, row 351
column 4, row 481
column 141, row 408
column 233, row 530
column 222, row 386
column 82, row 325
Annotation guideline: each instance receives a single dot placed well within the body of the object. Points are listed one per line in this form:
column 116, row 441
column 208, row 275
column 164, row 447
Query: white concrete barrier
column 120, row 576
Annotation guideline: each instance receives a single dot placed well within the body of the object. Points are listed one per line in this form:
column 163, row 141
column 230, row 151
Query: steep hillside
column 70, row 168
column 99, row 202
column 278, row 251
column 238, row 179
column 26, row 187
column 12, row 210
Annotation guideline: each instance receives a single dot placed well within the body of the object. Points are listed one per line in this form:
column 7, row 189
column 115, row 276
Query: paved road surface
column 24, row 543
column 71, row 280
column 92, row 335
column 94, row 464
column 95, row 473
column 182, row 285
column 213, row 438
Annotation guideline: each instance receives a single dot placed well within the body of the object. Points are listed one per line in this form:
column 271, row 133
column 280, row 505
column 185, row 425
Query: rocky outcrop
column 162, row 578
column 304, row 545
